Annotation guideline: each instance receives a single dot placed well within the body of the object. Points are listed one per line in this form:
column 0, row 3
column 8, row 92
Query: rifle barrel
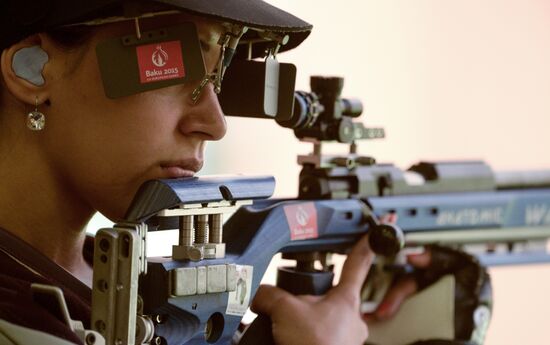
column 522, row 179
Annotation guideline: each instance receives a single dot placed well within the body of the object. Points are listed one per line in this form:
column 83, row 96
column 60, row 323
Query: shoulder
column 18, row 306
column 19, row 312
column 11, row 334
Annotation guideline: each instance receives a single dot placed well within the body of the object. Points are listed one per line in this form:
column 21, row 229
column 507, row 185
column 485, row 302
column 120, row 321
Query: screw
column 90, row 339
column 102, row 285
column 100, row 326
column 216, row 228
column 365, row 161
column 160, row 318
column 186, row 231
column 343, row 162
column 157, row 340
column 201, row 229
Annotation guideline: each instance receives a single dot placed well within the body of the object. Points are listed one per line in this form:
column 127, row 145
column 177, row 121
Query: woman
column 68, row 151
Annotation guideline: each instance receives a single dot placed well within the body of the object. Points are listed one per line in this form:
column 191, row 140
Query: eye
column 211, row 59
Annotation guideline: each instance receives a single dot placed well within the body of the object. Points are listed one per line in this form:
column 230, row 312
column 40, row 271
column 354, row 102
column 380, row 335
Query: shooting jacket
column 22, row 265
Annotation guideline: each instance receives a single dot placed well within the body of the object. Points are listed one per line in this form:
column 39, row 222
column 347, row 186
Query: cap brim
column 20, row 20
column 253, row 13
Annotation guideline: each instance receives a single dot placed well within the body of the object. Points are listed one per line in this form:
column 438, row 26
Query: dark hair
column 71, row 37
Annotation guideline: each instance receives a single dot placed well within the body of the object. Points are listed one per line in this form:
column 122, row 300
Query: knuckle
column 285, row 300
column 349, row 298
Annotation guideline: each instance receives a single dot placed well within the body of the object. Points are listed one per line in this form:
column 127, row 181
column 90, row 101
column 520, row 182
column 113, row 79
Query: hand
column 318, row 320
column 473, row 292
column 401, row 290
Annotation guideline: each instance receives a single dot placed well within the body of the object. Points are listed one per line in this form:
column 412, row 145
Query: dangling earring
column 36, row 121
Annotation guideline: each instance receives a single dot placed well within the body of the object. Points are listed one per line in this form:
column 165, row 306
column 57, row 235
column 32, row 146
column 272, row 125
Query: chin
column 115, row 209
column 114, row 217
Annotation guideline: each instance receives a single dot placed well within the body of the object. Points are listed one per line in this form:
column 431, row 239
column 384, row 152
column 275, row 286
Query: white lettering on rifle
column 537, row 214
column 470, row 216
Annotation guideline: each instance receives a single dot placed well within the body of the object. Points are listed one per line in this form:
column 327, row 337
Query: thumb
column 355, row 270
column 267, row 298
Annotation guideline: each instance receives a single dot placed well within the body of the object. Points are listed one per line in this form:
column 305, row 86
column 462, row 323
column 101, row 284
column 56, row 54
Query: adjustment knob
column 327, row 86
column 386, row 239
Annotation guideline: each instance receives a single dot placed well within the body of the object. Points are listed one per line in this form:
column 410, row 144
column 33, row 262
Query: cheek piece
column 28, row 64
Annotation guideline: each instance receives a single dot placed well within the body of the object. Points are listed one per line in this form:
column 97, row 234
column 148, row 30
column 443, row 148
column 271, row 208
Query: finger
column 266, row 298
column 368, row 317
column 422, row 260
column 395, row 297
column 371, row 319
column 355, row 269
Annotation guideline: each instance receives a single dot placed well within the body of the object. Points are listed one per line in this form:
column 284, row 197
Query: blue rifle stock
column 255, row 233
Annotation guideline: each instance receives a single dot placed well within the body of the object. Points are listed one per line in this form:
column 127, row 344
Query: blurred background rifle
column 460, row 203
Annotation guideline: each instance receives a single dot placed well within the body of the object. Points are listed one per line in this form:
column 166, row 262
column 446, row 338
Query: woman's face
column 104, row 149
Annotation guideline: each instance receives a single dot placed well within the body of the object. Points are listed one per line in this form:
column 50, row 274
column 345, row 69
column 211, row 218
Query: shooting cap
column 22, row 18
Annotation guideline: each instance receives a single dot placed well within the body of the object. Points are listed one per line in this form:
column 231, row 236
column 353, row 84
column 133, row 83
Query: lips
column 181, row 168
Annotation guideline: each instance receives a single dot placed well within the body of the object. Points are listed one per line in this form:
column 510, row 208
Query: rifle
column 201, row 292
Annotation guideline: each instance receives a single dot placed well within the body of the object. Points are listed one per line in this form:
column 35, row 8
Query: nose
column 206, row 118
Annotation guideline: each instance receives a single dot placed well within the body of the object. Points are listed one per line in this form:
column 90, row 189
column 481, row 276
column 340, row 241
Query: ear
column 22, row 65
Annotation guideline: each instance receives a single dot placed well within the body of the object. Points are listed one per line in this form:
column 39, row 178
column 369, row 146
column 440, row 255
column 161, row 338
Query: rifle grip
column 295, row 282
column 259, row 332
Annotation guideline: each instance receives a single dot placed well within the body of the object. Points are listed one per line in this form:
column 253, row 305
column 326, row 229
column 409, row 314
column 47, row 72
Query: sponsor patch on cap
column 302, row 221
column 160, row 61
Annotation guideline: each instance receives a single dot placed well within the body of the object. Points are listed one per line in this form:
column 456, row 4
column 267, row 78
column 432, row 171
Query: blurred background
column 448, row 80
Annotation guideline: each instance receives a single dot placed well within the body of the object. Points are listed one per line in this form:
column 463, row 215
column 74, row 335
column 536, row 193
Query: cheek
column 110, row 160
column 106, row 148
